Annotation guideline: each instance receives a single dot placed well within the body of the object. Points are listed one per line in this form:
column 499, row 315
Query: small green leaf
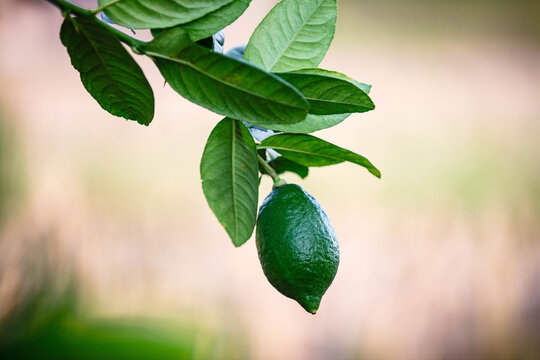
column 216, row 20
column 150, row 14
column 294, row 35
column 232, row 88
column 328, row 95
column 309, row 151
column 336, row 75
column 313, row 123
column 319, row 122
column 282, row 165
column 203, row 29
column 169, row 42
column 107, row 70
column 230, row 180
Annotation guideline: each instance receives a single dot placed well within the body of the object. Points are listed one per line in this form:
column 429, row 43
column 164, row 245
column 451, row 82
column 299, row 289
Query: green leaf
column 149, row 14
column 294, row 35
column 282, row 165
column 216, row 20
column 336, row 75
column 202, row 29
column 318, row 122
column 169, row 42
column 313, row 123
column 229, row 173
column 107, row 70
column 328, row 95
column 232, row 88
column 309, row 151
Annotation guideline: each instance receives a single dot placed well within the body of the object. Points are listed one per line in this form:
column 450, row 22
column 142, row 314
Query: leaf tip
column 238, row 242
column 375, row 172
column 142, row 121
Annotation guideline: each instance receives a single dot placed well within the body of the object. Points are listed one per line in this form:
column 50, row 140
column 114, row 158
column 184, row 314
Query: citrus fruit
column 297, row 245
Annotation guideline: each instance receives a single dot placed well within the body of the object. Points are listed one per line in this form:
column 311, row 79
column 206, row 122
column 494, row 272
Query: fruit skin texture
column 297, row 245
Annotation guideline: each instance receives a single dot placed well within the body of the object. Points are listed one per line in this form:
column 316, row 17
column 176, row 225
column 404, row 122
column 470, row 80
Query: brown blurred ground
column 440, row 259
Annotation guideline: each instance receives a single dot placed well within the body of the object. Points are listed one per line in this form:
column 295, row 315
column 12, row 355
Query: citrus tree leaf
column 107, row 70
column 313, row 123
column 309, row 151
column 336, row 75
column 232, row 88
column 229, row 174
column 213, row 22
column 211, row 42
column 294, row 35
column 149, row 14
column 282, row 165
column 169, row 42
column 328, row 95
column 319, row 122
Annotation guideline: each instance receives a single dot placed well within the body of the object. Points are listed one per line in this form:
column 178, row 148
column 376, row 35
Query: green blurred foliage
column 497, row 19
column 10, row 169
column 115, row 339
column 47, row 322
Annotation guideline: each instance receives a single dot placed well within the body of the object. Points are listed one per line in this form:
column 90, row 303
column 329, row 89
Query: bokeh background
column 107, row 245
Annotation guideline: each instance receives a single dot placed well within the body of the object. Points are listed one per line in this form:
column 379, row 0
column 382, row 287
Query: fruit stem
column 270, row 171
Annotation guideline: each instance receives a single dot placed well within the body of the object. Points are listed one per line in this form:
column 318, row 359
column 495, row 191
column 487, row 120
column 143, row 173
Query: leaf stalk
column 68, row 7
column 270, row 171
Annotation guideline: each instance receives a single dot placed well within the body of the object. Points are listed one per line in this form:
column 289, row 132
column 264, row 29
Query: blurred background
column 109, row 250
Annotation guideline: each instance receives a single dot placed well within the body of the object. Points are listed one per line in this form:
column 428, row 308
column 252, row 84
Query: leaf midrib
column 187, row 63
column 369, row 166
column 103, row 63
column 270, row 68
column 233, row 172
column 263, row 146
column 337, row 103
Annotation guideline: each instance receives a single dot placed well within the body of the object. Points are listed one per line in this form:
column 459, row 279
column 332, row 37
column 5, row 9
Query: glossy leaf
column 149, row 14
column 213, row 42
column 168, row 42
column 229, row 173
column 309, row 151
column 313, row 123
column 107, row 70
column 319, row 122
column 282, row 165
column 294, row 35
column 216, row 20
column 232, row 88
column 328, row 95
column 336, row 75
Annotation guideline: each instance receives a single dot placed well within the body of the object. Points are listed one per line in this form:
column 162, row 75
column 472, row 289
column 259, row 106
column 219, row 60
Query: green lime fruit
column 297, row 245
